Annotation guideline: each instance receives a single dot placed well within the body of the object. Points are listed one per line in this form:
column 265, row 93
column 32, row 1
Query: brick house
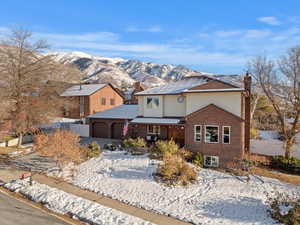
column 202, row 113
column 87, row 99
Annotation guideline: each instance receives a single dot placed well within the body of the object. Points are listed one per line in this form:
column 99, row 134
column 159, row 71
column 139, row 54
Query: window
column 112, row 101
column 103, row 101
column 211, row 134
column 197, row 133
column 152, row 102
column 226, row 135
column 211, row 161
column 153, row 129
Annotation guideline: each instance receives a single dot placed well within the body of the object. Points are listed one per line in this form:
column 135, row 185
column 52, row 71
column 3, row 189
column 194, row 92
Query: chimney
column 137, row 85
column 247, row 87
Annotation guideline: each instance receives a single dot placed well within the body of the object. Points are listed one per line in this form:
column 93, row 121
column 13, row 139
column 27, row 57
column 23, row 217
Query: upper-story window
column 112, row 101
column 103, row 101
column 152, row 102
column 226, row 134
column 211, row 134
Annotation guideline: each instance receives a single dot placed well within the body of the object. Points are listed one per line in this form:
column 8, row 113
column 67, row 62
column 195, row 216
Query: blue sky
column 211, row 36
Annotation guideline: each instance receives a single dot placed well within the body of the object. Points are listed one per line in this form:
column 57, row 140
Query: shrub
column 198, row 159
column 291, row 165
column 165, row 148
column 284, row 209
column 254, row 133
column 62, row 146
column 176, row 171
column 93, row 150
column 134, row 143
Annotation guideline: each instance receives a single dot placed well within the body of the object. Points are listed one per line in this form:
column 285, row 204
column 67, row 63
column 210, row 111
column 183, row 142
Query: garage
column 100, row 130
column 110, row 123
column 117, row 130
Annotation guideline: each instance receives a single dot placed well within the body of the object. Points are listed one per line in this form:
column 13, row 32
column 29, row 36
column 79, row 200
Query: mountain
column 123, row 73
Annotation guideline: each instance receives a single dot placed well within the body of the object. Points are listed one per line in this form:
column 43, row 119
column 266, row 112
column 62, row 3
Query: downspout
column 247, row 86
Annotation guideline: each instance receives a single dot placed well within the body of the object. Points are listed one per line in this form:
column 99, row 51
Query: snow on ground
column 62, row 202
column 269, row 134
column 218, row 198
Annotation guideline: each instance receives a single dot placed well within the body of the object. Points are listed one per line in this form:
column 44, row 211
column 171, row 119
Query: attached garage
column 110, row 123
column 100, row 130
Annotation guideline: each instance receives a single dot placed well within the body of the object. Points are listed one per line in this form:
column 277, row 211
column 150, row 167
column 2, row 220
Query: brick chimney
column 137, row 85
column 247, row 87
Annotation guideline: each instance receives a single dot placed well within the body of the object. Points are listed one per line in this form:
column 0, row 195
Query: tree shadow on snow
column 247, row 210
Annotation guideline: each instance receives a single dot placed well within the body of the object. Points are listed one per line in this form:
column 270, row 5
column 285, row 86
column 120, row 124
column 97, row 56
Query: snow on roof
column 175, row 87
column 82, row 90
column 216, row 90
column 118, row 112
column 156, row 121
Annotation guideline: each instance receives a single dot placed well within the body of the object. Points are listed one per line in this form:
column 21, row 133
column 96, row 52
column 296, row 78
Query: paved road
column 15, row 212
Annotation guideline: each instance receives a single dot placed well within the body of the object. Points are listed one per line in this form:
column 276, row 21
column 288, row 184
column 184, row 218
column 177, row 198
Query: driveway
column 13, row 211
column 100, row 141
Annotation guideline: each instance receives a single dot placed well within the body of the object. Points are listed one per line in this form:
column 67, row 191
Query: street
column 15, row 212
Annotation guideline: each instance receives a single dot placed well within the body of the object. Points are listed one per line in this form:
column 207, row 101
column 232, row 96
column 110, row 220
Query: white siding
column 172, row 107
column 156, row 112
column 141, row 105
column 230, row 101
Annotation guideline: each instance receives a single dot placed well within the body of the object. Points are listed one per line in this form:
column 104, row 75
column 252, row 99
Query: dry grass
column 266, row 172
column 7, row 150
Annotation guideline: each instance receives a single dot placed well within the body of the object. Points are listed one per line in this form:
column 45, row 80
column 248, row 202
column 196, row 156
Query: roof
column 184, row 86
column 175, row 87
column 216, row 90
column 83, row 90
column 155, row 121
column 118, row 112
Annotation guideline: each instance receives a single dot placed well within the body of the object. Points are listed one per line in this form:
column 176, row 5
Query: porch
column 153, row 129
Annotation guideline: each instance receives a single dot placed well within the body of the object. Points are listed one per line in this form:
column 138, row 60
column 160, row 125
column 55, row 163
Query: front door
column 177, row 134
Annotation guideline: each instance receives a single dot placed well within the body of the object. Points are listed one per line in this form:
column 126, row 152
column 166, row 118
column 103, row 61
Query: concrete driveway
column 100, row 141
column 13, row 211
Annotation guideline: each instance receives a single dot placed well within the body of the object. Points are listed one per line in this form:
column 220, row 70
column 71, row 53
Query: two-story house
column 202, row 113
column 86, row 99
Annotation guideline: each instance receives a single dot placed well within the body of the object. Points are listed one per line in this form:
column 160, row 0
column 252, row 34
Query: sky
column 210, row 36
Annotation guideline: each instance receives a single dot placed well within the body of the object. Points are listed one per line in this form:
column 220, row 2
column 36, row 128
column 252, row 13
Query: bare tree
column 25, row 70
column 280, row 82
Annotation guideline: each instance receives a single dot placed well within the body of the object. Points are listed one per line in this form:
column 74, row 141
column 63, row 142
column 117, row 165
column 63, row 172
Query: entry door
column 177, row 133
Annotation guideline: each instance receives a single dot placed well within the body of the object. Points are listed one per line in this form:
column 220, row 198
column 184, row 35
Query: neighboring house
column 88, row 99
column 129, row 94
column 202, row 113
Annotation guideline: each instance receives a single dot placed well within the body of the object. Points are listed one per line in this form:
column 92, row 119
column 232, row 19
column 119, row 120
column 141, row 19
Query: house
column 111, row 123
column 88, row 99
column 202, row 113
column 129, row 94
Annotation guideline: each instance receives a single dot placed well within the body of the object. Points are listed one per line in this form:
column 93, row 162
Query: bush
column 62, row 146
column 93, row 150
column 254, row 133
column 164, row 149
column 285, row 210
column 198, row 159
column 134, row 144
column 176, row 171
column 291, row 165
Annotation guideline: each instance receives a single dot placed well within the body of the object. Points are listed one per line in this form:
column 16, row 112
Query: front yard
column 217, row 198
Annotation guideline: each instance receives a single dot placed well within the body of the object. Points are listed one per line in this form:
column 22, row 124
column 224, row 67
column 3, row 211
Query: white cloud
column 271, row 20
column 152, row 29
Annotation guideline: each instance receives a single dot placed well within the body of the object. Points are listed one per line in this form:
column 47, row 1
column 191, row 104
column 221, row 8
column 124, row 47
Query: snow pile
column 218, row 198
column 62, row 202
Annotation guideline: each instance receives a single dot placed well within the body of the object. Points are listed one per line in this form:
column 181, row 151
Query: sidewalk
column 131, row 210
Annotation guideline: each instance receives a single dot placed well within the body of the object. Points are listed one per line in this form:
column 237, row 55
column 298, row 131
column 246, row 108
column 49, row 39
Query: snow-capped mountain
column 122, row 72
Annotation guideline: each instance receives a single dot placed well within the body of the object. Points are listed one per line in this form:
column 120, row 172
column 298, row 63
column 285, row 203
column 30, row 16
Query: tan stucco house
column 202, row 113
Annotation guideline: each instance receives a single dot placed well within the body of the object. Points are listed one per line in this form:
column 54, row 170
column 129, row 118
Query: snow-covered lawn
column 218, row 198
column 62, row 202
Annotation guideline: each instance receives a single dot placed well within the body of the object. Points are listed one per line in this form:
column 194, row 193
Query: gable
column 213, row 84
column 212, row 110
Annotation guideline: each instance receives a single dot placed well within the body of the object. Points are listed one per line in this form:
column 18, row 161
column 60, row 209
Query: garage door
column 117, row 130
column 100, row 130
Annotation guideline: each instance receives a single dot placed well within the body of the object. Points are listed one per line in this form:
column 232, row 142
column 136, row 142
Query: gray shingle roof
column 85, row 90
column 175, row 87
column 118, row 112
column 155, row 120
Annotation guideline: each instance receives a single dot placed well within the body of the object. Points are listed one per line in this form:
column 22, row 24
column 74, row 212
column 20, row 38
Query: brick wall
column 213, row 115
